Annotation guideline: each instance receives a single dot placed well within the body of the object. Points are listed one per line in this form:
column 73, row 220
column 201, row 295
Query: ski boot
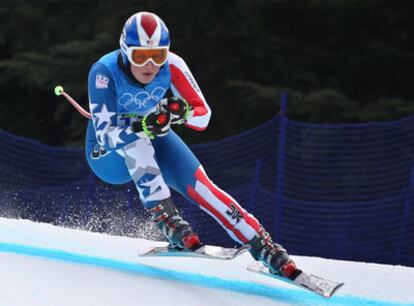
column 179, row 233
column 272, row 255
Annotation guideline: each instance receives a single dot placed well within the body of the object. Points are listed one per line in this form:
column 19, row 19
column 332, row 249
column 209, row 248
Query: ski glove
column 178, row 108
column 153, row 124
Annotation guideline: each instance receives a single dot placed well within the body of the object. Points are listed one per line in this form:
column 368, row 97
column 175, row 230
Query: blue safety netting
column 339, row 191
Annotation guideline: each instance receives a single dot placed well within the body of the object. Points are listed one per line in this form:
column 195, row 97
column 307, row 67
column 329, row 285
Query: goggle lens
column 141, row 56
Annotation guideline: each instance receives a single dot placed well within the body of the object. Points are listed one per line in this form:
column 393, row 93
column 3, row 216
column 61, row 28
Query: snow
column 41, row 264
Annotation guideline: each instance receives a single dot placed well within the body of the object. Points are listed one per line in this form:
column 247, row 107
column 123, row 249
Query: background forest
column 340, row 61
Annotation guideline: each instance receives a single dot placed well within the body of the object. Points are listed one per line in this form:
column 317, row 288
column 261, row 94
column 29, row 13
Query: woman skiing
column 130, row 138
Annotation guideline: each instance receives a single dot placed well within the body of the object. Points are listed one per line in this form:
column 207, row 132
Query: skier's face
column 145, row 74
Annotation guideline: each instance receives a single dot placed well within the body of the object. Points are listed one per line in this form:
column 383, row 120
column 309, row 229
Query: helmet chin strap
column 125, row 60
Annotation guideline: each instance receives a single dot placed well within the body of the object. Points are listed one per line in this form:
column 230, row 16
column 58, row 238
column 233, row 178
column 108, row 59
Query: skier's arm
column 102, row 104
column 183, row 85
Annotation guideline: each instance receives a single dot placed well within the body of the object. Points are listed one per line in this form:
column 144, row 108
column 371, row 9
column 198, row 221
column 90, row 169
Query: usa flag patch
column 101, row 81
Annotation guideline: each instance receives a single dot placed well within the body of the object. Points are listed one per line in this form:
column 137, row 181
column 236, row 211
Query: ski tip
column 318, row 285
column 328, row 296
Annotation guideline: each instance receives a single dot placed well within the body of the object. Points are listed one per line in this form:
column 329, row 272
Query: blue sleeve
column 102, row 104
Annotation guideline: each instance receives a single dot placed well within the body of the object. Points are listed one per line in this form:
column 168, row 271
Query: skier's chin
column 145, row 78
column 145, row 74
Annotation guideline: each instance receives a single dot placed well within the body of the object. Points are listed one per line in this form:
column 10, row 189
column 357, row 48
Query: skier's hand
column 154, row 124
column 178, row 108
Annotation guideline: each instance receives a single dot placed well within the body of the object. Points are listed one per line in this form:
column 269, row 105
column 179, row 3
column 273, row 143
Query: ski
column 206, row 251
column 313, row 283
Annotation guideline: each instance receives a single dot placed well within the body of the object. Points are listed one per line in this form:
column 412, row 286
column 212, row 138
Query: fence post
column 280, row 175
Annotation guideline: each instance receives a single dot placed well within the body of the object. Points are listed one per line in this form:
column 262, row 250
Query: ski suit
column 117, row 155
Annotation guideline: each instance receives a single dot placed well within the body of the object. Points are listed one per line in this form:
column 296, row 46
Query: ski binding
column 313, row 283
column 205, row 251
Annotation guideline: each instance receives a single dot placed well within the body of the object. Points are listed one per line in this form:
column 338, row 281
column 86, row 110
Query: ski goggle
column 139, row 56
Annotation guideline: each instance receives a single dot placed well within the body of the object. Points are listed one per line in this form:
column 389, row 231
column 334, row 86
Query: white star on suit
column 103, row 117
column 113, row 137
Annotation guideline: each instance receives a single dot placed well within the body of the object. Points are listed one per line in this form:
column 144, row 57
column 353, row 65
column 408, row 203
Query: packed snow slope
column 41, row 264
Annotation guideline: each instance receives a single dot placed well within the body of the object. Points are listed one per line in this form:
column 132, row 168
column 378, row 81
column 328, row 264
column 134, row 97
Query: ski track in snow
column 41, row 264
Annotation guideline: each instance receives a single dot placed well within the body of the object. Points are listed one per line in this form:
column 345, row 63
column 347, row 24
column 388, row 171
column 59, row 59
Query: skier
column 130, row 138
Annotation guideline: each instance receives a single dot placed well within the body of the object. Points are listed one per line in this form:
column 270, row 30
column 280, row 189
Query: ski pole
column 59, row 91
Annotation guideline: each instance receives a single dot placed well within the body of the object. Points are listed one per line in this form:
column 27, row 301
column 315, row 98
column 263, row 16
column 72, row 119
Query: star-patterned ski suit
column 118, row 155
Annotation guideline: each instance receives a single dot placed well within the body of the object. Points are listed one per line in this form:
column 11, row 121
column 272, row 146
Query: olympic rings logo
column 141, row 99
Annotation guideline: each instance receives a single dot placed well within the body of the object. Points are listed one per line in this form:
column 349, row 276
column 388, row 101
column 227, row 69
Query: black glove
column 153, row 124
column 179, row 109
